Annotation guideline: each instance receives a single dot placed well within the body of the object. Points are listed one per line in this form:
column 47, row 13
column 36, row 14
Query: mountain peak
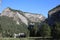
column 24, row 17
column 13, row 9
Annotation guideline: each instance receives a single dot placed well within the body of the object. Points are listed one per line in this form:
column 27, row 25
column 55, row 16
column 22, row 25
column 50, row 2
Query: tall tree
column 57, row 30
column 45, row 30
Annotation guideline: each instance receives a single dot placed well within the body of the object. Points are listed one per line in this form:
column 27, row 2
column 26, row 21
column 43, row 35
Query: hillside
column 22, row 17
column 9, row 26
column 16, row 21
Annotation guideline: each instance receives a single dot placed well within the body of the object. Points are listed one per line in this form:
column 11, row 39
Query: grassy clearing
column 29, row 38
column 14, row 39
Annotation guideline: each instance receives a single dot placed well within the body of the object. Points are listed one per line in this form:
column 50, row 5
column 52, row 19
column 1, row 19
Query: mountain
column 22, row 17
column 16, row 21
column 8, row 27
column 0, row 13
column 54, row 15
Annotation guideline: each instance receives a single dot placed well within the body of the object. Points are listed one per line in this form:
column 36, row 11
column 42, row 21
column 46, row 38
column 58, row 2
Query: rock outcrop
column 54, row 15
column 22, row 17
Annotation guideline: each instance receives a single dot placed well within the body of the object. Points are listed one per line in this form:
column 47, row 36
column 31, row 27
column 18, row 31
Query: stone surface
column 20, row 16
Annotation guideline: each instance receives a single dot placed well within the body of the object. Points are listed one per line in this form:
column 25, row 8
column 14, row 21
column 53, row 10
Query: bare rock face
column 54, row 15
column 34, row 17
column 54, row 10
column 22, row 17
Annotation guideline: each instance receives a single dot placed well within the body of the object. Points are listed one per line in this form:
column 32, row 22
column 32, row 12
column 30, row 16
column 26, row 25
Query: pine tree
column 45, row 30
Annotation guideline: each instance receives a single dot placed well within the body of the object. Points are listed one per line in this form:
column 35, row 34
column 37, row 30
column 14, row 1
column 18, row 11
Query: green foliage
column 45, row 30
column 57, row 29
column 33, row 29
column 9, row 26
column 36, row 27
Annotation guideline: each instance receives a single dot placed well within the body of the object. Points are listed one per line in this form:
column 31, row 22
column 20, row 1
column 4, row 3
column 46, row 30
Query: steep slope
column 16, row 15
column 9, row 26
column 34, row 17
column 22, row 17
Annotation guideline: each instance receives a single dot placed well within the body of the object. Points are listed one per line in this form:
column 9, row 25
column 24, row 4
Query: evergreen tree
column 45, row 30
column 57, row 30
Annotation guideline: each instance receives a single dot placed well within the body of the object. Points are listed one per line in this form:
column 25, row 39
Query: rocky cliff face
column 54, row 15
column 22, row 17
column 54, row 10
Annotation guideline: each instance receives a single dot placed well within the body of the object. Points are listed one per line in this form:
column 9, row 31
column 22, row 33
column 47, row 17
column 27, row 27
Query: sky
column 33, row 6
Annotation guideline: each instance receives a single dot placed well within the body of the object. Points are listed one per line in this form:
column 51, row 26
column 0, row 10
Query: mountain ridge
column 24, row 17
